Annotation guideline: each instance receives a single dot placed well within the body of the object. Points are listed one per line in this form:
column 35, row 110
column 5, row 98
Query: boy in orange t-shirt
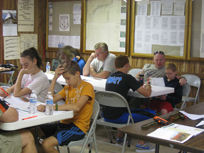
column 79, row 96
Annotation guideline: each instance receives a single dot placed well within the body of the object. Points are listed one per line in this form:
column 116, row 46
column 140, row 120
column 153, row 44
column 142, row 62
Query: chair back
column 10, row 82
column 134, row 71
column 112, row 99
column 91, row 132
column 186, row 89
column 58, row 88
column 55, row 64
column 194, row 81
column 185, row 92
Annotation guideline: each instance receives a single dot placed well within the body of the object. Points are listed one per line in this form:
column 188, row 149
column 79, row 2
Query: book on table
column 176, row 132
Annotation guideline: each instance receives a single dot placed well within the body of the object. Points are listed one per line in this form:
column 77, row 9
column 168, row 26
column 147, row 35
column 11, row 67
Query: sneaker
column 144, row 148
column 119, row 140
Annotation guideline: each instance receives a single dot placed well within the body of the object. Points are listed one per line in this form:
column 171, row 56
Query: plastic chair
column 185, row 92
column 193, row 81
column 134, row 71
column 90, row 137
column 55, row 64
column 113, row 99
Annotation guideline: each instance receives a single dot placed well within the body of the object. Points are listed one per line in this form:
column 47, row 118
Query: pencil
column 4, row 92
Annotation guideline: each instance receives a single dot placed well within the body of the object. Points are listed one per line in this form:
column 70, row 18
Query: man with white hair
column 101, row 63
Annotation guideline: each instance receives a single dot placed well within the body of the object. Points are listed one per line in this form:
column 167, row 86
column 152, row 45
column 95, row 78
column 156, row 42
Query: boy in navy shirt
column 166, row 103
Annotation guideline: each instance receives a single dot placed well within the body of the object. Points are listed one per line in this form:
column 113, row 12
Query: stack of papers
column 176, row 132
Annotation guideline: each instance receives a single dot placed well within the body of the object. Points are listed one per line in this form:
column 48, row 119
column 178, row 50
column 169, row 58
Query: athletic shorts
column 10, row 142
column 137, row 115
column 64, row 133
column 159, row 105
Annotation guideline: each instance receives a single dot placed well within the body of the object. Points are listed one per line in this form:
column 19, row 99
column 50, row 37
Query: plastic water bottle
column 48, row 67
column 33, row 102
column 49, row 104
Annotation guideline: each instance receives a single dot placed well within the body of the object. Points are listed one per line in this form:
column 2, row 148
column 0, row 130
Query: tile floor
column 105, row 148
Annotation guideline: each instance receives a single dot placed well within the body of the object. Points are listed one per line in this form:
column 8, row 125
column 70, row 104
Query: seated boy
column 79, row 96
column 121, row 82
column 166, row 103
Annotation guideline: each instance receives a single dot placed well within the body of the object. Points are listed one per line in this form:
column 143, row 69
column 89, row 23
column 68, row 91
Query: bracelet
column 56, row 106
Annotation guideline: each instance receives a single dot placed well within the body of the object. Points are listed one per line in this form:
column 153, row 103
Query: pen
column 29, row 117
column 4, row 91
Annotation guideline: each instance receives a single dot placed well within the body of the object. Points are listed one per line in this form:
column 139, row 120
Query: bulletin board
column 159, row 26
column 106, row 21
column 63, row 24
column 196, row 31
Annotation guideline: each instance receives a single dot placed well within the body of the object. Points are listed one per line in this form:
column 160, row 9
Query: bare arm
column 17, row 90
column 76, row 106
column 137, row 76
column 86, row 69
column 9, row 91
column 11, row 115
column 103, row 74
column 145, row 91
column 57, row 96
column 182, row 80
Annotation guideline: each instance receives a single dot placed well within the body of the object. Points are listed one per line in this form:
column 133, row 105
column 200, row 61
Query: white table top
column 40, row 119
column 99, row 84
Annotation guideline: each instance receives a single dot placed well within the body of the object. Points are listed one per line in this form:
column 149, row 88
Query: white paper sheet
column 25, row 15
column 155, row 8
column 142, row 10
column 192, row 116
column 167, row 7
column 158, row 82
column 179, row 8
column 11, row 48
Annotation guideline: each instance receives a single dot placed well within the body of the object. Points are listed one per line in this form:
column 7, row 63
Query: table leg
column 36, row 136
column 157, row 148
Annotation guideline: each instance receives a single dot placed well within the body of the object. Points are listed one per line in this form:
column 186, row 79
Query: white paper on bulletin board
column 11, row 48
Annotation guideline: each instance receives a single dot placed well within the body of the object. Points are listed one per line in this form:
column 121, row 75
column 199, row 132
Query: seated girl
column 30, row 77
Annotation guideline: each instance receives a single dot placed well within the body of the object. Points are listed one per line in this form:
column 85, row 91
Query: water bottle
column 48, row 68
column 33, row 102
column 49, row 104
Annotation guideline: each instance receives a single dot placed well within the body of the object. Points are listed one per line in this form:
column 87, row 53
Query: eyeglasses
column 98, row 54
column 158, row 52
column 169, row 73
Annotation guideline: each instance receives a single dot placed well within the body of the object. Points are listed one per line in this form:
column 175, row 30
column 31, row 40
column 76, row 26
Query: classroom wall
column 184, row 66
column 39, row 29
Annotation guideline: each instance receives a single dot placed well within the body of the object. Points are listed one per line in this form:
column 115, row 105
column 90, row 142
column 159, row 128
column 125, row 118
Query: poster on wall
column 11, row 48
column 26, row 16
column 9, row 23
column 64, row 22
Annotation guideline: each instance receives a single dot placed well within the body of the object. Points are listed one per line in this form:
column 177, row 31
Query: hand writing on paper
column 41, row 108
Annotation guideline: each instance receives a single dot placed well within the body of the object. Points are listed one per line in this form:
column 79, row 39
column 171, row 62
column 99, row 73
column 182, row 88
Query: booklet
column 176, row 132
